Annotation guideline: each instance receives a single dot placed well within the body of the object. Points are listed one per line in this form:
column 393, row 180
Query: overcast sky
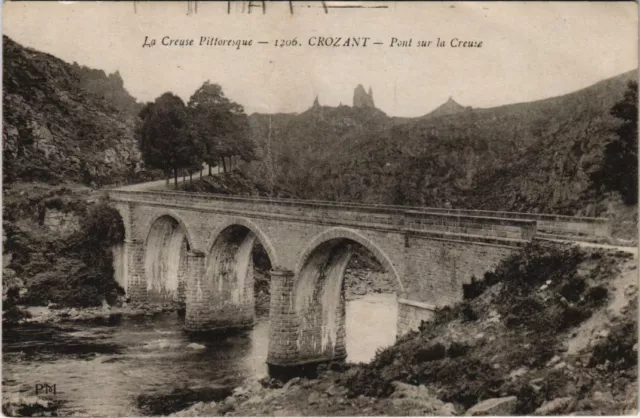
column 530, row 50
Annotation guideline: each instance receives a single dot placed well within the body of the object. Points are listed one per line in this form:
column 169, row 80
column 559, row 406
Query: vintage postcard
column 283, row 208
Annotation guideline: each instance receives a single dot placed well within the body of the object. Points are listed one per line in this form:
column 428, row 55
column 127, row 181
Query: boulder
column 291, row 382
column 314, row 398
column 521, row 371
column 239, row 391
column 419, row 400
column 494, row 406
column 256, row 399
column 196, row 346
column 554, row 407
column 447, row 410
column 554, row 360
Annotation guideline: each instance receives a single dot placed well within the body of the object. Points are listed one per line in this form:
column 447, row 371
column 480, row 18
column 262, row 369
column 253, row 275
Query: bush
column 73, row 284
column 11, row 313
column 368, row 381
column 617, row 348
column 465, row 380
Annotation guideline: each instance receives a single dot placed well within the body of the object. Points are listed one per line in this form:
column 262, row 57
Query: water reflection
column 124, row 368
column 371, row 324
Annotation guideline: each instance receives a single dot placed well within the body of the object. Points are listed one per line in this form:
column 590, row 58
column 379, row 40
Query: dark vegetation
column 620, row 166
column 165, row 404
column 230, row 183
column 176, row 136
column 32, row 408
column 74, row 270
column 262, row 282
column 476, row 158
column 518, row 316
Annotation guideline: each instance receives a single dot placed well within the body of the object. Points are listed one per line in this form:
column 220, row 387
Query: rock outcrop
column 361, row 98
column 56, row 130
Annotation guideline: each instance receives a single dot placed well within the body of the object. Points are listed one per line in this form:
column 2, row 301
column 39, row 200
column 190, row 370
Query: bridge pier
column 134, row 257
column 299, row 339
column 208, row 309
column 282, row 349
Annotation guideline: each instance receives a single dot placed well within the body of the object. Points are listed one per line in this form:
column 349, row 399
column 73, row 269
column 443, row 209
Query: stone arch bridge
column 197, row 248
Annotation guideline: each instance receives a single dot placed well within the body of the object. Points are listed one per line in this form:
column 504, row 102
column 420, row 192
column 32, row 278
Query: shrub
column 73, row 284
column 617, row 348
column 368, row 381
column 11, row 313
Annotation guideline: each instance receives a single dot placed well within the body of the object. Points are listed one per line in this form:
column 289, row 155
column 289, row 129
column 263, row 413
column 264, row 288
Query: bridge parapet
column 326, row 213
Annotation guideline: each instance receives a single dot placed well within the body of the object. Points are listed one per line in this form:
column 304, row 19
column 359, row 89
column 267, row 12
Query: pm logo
column 45, row 388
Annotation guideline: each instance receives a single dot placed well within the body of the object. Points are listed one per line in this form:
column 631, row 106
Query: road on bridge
column 162, row 184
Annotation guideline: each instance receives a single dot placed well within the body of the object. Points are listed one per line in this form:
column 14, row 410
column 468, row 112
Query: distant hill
column 63, row 122
column 533, row 156
column 449, row 107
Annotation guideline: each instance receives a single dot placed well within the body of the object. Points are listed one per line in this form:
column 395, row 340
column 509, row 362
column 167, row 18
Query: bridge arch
column 191, row 238
column 167, row 242
column 251, row 226
column 318, row 296
column 229, row 272
column 348, row 234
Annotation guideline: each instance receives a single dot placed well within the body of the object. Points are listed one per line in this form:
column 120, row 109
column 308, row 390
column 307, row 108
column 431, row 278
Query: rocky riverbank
column 565, row 344
column 54, row 314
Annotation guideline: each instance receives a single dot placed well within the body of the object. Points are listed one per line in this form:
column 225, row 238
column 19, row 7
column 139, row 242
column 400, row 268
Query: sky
column 529, row 51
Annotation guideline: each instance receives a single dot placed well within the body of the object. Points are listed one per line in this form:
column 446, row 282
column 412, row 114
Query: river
column 138, row 366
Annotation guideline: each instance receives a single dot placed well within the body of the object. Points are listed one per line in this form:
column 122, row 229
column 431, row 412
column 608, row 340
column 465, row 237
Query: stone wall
column 61, row 223
column 411, row 314
column 436, row 268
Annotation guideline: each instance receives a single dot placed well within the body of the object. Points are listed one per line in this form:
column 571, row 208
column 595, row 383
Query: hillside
column 55, row 129
column 292, row 147
column 533, row 157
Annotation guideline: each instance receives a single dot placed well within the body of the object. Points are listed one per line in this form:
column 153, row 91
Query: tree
column 619, row 171
column 167, row 140
column 220, row 125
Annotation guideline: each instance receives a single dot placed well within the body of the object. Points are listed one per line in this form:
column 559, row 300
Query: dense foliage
column 220, row 125
column 166, row 139
column 211, row 128
column 619, row 171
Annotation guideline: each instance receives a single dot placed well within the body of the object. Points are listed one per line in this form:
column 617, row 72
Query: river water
column 129, row 366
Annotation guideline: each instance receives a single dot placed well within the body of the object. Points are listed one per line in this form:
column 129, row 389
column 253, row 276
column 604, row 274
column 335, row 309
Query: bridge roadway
column 196, row 248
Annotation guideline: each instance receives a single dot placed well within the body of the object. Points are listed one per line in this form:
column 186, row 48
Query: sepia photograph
column 319, row 208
